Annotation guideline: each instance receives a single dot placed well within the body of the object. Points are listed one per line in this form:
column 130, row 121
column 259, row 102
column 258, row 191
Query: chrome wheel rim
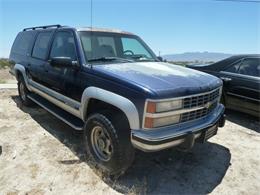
column 101, row 143
column 22, row 91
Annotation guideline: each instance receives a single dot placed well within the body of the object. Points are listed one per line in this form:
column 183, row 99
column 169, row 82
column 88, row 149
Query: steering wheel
column 128, row 51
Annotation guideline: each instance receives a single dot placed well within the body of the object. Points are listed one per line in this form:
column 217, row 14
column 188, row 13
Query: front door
column 65, row 80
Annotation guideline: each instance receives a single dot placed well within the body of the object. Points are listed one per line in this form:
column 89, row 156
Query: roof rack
column 42, row 27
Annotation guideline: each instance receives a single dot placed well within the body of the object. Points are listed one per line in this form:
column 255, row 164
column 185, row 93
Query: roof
column 223, row 63
column 110, row 30
column 90, row 29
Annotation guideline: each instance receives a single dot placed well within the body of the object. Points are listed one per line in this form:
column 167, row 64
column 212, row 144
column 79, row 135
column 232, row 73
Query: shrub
column 4, row 63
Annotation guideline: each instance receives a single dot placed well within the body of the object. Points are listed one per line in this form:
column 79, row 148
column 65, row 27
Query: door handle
column 226, row 79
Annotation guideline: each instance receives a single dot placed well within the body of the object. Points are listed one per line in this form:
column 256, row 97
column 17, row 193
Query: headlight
column 154, row 111
column 167, row 106
column 164, row 106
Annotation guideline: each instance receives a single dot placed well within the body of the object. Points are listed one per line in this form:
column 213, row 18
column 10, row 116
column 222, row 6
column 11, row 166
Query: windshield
column 104, row 46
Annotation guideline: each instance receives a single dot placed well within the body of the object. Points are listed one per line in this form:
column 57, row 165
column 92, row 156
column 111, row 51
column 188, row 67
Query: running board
column 71, row 120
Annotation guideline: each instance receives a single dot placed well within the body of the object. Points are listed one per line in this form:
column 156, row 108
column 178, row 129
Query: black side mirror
column 62, row 62
column 160, row 58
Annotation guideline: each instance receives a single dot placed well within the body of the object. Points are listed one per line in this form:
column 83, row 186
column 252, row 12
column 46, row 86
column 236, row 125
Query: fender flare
column 122, row 103
column 20, row 68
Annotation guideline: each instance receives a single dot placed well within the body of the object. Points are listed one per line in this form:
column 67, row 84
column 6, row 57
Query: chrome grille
column 200, row 101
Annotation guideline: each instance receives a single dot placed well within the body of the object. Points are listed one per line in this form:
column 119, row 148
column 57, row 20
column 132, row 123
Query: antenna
column 91, row 26
column 91, row 14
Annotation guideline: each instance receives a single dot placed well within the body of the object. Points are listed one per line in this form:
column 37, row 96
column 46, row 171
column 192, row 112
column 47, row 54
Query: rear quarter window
column 22, row 43
column 234, row 67
column 250, row 67
column 40, row 48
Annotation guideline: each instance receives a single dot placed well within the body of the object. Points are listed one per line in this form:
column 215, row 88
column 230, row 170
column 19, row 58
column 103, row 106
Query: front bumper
column 162, row 138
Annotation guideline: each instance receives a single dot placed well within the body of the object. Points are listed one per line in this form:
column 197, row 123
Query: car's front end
column 179, row 121
column 177, row 105
column 184, row 105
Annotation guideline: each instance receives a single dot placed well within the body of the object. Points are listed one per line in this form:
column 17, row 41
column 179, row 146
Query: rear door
column 39, row 57
column 242, row 85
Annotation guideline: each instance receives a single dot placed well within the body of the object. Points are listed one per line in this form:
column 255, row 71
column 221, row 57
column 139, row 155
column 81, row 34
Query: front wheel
column 108, row 144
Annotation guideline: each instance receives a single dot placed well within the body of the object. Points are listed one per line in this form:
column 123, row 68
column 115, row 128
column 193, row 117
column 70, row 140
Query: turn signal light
column 151, row 107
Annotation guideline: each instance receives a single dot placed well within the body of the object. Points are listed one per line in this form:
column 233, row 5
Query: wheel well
column 18, row 74
column 95, row 106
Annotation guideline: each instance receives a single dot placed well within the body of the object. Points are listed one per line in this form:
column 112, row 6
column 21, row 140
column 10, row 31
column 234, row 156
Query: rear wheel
column 23, row 92
column 107, row 142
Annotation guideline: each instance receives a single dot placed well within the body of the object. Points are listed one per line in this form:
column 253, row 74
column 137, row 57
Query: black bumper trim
column 168, row 140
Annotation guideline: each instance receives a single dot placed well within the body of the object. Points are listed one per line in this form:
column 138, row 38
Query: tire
column 119, row 152
column 23, row 92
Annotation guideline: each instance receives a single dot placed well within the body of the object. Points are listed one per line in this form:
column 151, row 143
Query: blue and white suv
column 111, row 85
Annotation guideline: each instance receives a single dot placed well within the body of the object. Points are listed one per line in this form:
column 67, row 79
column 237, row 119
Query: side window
column 234, row 68
column 63, row 46
column 41, row 45
column 22, row 43
column 250, row 66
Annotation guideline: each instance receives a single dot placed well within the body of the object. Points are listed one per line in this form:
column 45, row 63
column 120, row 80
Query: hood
column 162, row 78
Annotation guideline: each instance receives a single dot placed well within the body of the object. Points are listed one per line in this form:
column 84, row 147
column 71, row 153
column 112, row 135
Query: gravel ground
column 42, row 155
column 6, row 77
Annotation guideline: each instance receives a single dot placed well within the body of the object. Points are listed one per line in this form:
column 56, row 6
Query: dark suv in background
column 110, row 84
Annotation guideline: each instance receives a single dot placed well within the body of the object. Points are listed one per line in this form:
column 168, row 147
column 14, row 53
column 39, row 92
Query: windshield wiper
column 142, row 58
column 105, row 59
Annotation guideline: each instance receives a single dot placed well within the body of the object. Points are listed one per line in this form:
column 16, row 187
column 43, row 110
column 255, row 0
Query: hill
column 197, row 56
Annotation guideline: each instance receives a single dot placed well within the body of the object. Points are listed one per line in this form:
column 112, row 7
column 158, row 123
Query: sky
column 167, row 26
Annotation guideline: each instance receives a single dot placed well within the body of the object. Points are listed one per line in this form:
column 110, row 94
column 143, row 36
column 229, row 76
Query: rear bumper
column 162, row 138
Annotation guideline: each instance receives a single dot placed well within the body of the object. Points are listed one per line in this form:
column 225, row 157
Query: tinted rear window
column 22, row 43
column 41, row 45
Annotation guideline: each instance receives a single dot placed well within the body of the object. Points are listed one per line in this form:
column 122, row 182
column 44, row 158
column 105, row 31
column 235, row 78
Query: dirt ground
column 5, row 76
column 42, row 155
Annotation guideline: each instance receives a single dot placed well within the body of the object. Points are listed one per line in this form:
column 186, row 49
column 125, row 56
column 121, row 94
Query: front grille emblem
column 207, row 105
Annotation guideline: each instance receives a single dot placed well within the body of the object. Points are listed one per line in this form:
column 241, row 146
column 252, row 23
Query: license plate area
column 210, row 132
